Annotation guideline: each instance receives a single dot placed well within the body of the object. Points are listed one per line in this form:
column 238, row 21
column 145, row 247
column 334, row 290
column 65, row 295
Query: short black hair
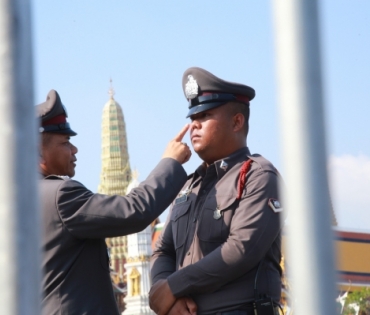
column 46, row 138
column 243, row 108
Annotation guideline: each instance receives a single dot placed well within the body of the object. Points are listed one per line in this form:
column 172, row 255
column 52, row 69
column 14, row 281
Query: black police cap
column 205, row 91
column 53, row 115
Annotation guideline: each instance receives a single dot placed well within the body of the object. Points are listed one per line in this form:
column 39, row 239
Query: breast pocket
column 179, row 222
column 216, row 219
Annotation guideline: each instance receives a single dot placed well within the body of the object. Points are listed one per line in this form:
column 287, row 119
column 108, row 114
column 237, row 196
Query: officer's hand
column 161, row 298
column 184, row 306
column 178, row 150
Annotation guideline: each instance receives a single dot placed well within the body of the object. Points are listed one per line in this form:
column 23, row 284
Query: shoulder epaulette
column 60, row 177
column 263, row 163
column 190, row 176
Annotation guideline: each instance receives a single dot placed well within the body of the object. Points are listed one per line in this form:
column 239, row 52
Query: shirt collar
column 224, row 165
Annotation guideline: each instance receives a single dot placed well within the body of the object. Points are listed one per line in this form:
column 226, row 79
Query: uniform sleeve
column 253, row 229
column 88, row 215
column 163, row 261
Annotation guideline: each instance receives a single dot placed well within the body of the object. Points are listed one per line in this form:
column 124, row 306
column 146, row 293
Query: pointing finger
column 182, row 133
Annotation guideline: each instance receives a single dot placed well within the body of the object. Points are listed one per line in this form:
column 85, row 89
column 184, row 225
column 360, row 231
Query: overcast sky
column 146, row 45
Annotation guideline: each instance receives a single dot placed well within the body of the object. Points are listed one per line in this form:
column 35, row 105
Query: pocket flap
column 179, row 210
column 225, row 202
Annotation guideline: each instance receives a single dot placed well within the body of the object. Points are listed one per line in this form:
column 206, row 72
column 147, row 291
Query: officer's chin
column 198, row 151
column 201, row 152
column 72, row 173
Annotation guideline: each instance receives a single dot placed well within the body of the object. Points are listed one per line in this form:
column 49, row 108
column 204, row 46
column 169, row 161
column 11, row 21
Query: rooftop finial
column 135, row 174
column 111, row 90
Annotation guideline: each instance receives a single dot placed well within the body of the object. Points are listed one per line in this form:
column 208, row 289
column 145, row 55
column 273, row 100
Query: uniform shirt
column 212, row 244
column 76, row 279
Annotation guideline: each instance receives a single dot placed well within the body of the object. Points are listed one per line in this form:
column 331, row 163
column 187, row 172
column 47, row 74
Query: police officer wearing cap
column 76, row 275
column 219, row 251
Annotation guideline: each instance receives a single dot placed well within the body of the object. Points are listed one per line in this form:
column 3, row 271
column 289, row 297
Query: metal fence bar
column 310, row 237
column 19, row 218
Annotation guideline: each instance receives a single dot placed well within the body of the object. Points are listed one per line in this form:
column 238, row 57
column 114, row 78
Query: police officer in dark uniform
column 76, row 279
column 220, row 249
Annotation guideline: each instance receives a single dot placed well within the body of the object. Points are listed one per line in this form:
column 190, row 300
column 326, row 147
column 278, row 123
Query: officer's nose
column 74, row 149
column 195, row 124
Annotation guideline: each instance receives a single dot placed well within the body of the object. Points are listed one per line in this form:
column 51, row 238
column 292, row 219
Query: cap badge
column 191, row 88
column 224, row 165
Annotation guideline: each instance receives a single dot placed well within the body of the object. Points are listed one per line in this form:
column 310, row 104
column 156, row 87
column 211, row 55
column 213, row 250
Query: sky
column 145, row 46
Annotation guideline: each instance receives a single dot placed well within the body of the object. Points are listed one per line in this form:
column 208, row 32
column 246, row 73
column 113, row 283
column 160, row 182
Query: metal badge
column 183, row 196
column 217, row 214
column 186, row 191
column 224, row 165
column 191, row 88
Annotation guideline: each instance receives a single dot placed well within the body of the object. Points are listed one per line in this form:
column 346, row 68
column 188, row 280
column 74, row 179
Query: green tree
column 361, row 298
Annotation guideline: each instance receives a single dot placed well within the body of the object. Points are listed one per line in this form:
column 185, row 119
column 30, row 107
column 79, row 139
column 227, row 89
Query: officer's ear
column 43, row 165
column 41, row 154
column 41, row 158
column 238, row 122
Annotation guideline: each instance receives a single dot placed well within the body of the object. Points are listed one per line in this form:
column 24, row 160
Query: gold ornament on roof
column 111, row 90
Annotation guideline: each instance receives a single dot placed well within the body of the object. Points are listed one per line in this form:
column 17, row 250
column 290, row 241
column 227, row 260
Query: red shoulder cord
column 243, row 172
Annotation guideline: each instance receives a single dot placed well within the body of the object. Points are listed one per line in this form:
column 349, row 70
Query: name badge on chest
column 181, row 199
column 183, row 196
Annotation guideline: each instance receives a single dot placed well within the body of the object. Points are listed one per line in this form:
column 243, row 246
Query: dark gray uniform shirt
column 212, row 244
column 76, row 278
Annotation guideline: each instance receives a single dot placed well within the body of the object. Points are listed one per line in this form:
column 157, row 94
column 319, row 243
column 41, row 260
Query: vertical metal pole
column 310, row 239
column 19, row 218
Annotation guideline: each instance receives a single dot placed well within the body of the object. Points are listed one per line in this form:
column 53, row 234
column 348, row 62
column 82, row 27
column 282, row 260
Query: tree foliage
column 361, row 298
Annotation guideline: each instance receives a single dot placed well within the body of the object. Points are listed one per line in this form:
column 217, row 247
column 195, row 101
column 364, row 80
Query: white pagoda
column 137, row 268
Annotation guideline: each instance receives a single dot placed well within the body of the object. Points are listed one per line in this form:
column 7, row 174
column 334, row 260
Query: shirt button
column 188, row 253
column 194, row 219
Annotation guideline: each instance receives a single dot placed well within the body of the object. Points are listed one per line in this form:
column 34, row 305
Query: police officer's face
column 58, row 156
column 211, row 134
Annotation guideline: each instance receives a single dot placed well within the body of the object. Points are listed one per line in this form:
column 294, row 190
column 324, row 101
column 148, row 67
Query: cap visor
column 203, row 107
column 64, row 132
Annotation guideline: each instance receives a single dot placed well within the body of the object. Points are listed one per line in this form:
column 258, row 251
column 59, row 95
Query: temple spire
column 111, row 90
column 115, row 177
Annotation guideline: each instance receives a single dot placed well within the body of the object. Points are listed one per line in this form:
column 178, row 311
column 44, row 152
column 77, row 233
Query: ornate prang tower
column 115, row 174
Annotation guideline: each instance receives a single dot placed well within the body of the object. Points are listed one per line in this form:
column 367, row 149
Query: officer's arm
column 88, row 215
column 253, row 229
